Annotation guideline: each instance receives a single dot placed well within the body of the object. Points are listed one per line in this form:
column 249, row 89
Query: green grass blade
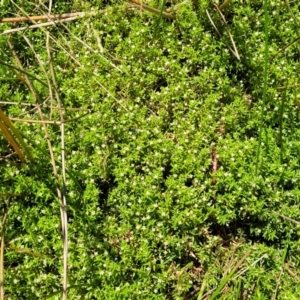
column 23, row 72
column 159, row 19
column 203, row 285
column 237, row 296
column 16, row 133
column 283, row 98
column 226, row 279
column 10, row 138
column 265, row 86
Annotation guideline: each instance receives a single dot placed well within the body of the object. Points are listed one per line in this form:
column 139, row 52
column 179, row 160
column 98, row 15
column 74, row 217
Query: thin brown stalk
column 44, row 17
column 40, row 25
column 24, row 251
column 286, row 266
column 51, row 107
column 2, row 254
column 48, row 121
column 61, row 192
column 227, row 270
column 44, row 71
column 10, row 195
column 70, row 34
column 285, row 47
column 224, row 4
column 235, row 51
column 15, row 103
column 55, row 172
column 9, row 137
column 212, row 23
column 288, row 86
column 215, row 27
column 287, row 218
column 151, row 9
column 64, row 216
column 76, row 61
column 246, row 269
column 52, row 38
column 277, row 284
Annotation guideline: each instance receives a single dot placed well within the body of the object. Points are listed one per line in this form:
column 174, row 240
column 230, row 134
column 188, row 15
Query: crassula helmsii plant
column 166, row 100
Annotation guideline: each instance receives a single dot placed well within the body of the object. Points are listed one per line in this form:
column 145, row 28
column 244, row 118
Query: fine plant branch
column 150, row 140
column 25, row 251
column 247, row 268
column 44, row 71
column 49, row 121
column 224, row 4
column 64, row 216
column 39, row 25
column 45, row 17
column 286, row 218
column 293, row 274
column 227, row 270
column 3, row 225
column 10, row 195
column 233, row 51
column 148, row 8
column 51, row 107
column 265, row 84
column 285, row 47
column 284, row 255
column 63, row 207
column 14, row 68
column 228, row 277
column 68, row 53
column 10, row 138
column 55, row 172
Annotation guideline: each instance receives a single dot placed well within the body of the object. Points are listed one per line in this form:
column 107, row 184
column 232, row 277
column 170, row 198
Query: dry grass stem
column 40, row 25
column 145, row 7
column 287, row 218
column 2, row 254
column 55, row 172
column 246, row 269
column 234, row 50
column 286, row 266
column 44, row 17
column 64, row 216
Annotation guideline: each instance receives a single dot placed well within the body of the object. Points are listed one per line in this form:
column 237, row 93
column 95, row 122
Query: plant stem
column 266, row 14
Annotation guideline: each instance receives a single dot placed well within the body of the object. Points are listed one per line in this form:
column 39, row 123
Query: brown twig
column 286, row 266
column 63, row 210
column 235, row 52
column 10, row 138
column 48, row 121
column 51, row 107
column 44, row 17
column 151, row 9
column 224, row 4
column 39, row 25
column 25, row 251
column 2, row 254
column 47, row 136
column 286, row 218
column 10, row 195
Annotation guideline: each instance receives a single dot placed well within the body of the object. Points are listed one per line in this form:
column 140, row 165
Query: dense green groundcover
column 149, row 218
